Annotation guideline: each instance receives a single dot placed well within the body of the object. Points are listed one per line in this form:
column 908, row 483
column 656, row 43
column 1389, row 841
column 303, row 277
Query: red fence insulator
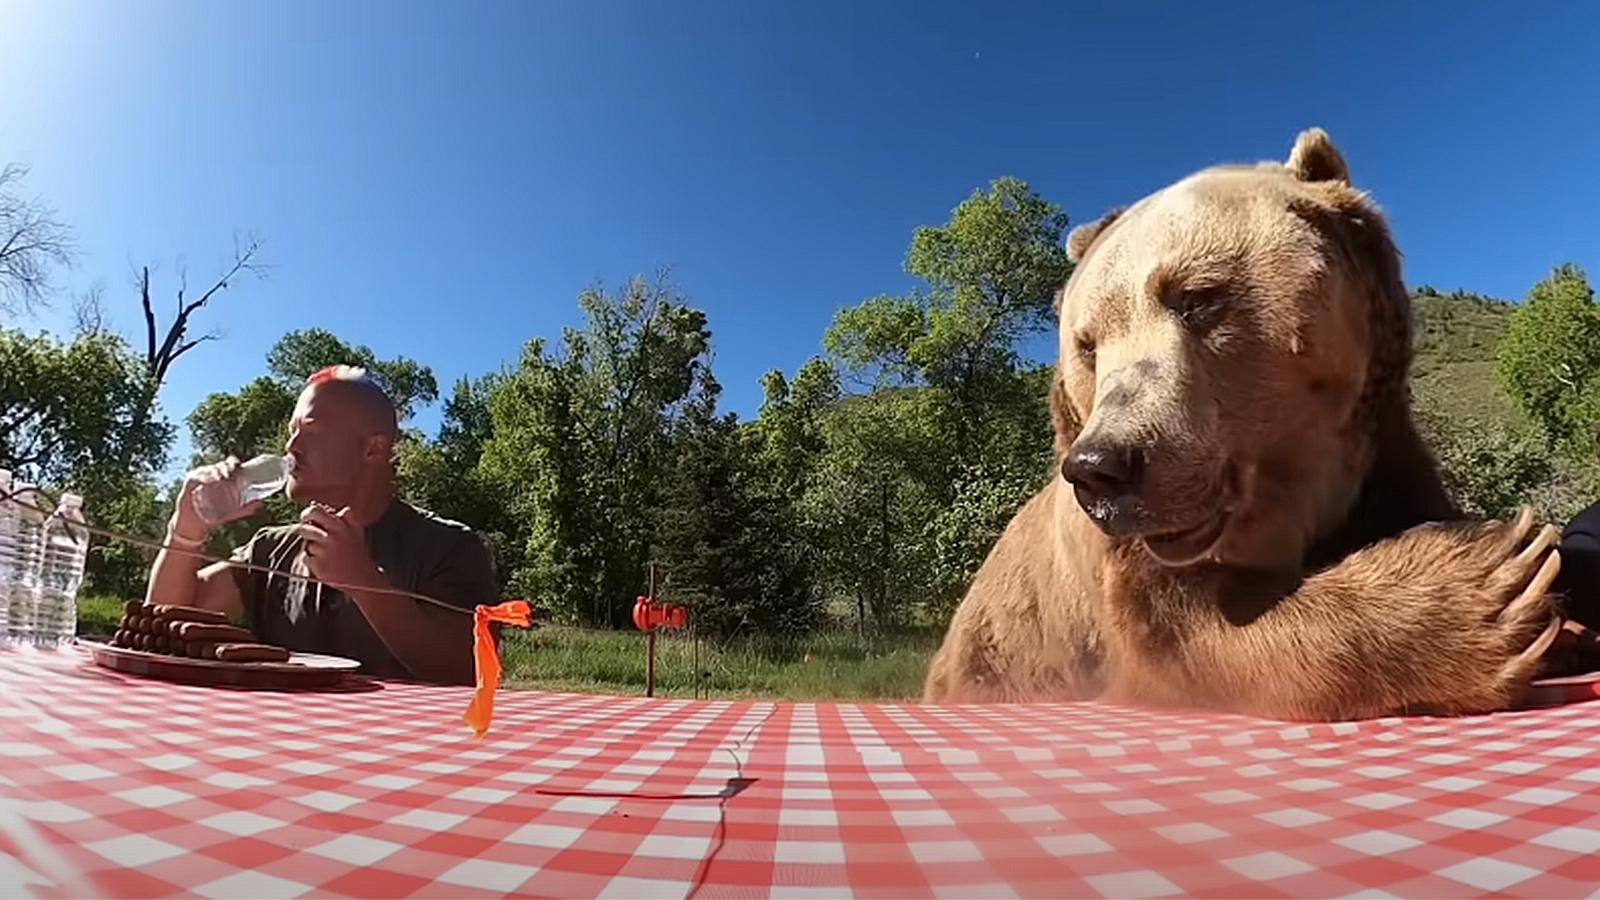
column 648, row 615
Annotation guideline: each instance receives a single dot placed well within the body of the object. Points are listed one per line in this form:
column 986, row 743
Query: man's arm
column 1580, row 567
column 177, row 578
column 434, row 644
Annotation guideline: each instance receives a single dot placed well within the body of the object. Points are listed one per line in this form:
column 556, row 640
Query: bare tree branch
column 186, row 346
column 32, row 243
column 159, row 360
column 149, row 315
column 89, row 311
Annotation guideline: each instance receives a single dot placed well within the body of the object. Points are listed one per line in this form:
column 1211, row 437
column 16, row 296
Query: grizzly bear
column 1244, row 517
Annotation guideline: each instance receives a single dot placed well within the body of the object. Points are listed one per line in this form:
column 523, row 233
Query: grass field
column 99, row 615
column 834, row 665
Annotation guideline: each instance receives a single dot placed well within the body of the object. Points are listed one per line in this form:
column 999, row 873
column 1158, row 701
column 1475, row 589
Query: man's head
column 341, row 439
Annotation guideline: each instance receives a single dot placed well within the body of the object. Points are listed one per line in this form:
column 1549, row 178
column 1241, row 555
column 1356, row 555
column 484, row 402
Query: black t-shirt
column 1580, row 567
column 416, row 550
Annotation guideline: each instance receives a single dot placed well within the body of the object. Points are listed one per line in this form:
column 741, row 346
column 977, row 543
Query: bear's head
column 1231, row 347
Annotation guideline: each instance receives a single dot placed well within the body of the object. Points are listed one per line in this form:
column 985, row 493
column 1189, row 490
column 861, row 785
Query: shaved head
column 365, row 402
column 341, row 438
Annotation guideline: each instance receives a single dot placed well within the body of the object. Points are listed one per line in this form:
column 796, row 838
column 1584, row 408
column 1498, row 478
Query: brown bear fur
column 1247, row 329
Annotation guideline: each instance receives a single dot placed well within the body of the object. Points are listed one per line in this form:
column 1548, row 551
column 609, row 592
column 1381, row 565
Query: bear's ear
column 1080, row 239
column 1315, row 158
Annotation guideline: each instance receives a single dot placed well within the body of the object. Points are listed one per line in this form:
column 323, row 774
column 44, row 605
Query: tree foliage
column 299, row 354
column 935, row 459
column 991, row 275
column 1550, row 359
column 444, row 475
column 1495, row 453
column 581, row 439
column 71, row 412
column 726, row 542
column 255, row 419
column 76, row 416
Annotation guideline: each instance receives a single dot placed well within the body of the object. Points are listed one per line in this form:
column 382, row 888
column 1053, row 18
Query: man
column 1580, row 564
column 353, row 530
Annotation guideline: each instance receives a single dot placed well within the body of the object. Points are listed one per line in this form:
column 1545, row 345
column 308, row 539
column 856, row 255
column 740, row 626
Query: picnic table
column 118, row 786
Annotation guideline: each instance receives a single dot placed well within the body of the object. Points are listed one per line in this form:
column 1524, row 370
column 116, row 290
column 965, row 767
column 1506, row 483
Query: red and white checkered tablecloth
column 117, row 786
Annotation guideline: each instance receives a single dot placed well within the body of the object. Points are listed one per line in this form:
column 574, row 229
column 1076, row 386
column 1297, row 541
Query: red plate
column 303, row 670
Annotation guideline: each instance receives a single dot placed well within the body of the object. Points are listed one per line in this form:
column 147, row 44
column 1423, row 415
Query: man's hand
column 335, row 549
column 177, row 578
column 186, row 524
column 432, row 644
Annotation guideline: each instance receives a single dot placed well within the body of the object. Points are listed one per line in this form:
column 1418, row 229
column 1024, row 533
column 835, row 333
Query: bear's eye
column 1200, row 306
column 1086, row 348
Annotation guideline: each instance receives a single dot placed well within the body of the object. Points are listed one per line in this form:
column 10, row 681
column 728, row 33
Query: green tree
column 1550, row 359
column 444, row 475
column 954, row 436
column 75, row 416
column 726, row 544
column 867, row 501
column 1490, row 468
column 130, row 505
column 580, row 444
column 256, row 418
column 1012, row 464
column 992, row 273
column 790, row 439
column 299, row 354
column 69, row 411
column 253, row 420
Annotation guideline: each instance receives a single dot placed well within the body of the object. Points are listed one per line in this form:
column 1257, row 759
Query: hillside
column 1490, row 452
column 1453, row 374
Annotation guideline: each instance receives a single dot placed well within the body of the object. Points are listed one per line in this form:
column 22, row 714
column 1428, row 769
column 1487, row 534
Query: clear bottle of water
column 65, row 555
column 254, row 480
column 8, row 552
column 22, row 561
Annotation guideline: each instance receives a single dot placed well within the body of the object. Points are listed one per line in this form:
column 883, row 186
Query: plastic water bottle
column 66, row 552
column 254, row 480
column 21, row 561
column 8, row 551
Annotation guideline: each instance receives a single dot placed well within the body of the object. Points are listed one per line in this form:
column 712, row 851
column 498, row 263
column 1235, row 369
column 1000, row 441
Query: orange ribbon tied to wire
column 486, row 657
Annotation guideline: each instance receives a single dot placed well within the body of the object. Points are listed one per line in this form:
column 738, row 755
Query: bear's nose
column 1104, row 473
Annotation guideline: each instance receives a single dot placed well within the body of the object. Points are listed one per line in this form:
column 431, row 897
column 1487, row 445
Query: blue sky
column 440, row 181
